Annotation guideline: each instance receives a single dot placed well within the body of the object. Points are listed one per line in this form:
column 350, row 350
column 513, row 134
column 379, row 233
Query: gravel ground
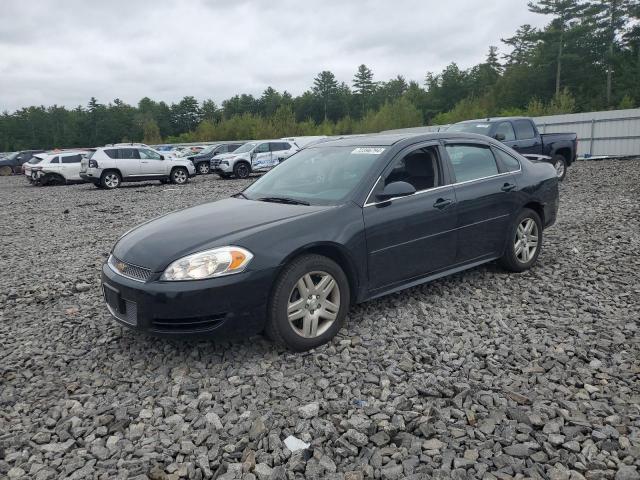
column 481, row 375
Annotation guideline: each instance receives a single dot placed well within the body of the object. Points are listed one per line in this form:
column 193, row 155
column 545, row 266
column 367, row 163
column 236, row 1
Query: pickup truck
column 521, row 134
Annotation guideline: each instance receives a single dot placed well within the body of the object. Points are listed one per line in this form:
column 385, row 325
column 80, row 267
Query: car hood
column 157, row 243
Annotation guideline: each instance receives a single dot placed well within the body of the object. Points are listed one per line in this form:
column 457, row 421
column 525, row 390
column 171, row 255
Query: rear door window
column 71, row 158
column 472, row 162
column 524, row 129
column 129, row 153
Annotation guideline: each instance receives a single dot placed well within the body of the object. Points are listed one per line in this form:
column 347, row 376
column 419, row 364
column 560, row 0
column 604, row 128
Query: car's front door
column 486, row 201
column 261, row 157
column 151, row 163
column 71, row 166
column 413, row 236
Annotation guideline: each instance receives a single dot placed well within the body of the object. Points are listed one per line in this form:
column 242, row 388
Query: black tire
column 203, row 168
column 5, row 171
column 179, row 176
column 512, row 260
column 560, row 164
column 110, row 179
column 278, row 327
column 242, row 170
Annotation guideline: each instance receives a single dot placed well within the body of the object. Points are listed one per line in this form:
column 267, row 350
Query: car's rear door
column 128, row 162
column 486, row 200
column 414, row 236
column 526, row 139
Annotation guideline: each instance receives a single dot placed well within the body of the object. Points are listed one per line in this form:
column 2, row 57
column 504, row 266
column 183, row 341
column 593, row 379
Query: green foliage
column 586, row 58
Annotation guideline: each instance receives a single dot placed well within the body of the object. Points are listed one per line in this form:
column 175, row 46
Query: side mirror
column 161, row 157
column 396, row 189
column 500, row 137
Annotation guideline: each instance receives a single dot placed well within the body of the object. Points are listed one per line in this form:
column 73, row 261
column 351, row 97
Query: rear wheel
column 179, row 176
column 524, row 242
column 203, row 168
column 241, row 170
column 560, row 164
column 110, row 179
column 309, row 304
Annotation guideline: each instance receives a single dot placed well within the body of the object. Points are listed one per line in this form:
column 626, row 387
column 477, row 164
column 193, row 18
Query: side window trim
column 502, row 167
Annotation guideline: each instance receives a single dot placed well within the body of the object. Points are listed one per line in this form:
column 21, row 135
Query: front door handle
column 442, row 203
column 507, row 187
column 143, row 162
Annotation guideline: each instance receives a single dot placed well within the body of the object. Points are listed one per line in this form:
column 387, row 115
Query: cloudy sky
column 65, row 51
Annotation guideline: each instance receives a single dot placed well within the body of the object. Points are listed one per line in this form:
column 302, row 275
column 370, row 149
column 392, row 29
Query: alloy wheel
column 203, row 168
column 559, row 166
column 526, row 242
column 314, row 303
column 243, row 171
column 179, row 176
column 111, row 180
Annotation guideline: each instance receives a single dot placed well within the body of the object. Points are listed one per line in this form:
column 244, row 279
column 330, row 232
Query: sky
column 66, row 51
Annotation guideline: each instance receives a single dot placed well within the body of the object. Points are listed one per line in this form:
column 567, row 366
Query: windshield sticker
column 367, row 151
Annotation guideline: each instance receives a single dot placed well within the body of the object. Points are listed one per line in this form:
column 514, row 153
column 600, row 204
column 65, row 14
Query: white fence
column 612, row 133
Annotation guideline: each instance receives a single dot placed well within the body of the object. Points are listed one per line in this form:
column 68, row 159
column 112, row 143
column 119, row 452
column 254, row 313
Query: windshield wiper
column 290, row 201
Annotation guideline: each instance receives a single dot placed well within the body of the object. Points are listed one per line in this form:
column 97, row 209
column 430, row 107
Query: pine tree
column 324, row 87
column 564, row 12
column 363, row 85
column 522, row 43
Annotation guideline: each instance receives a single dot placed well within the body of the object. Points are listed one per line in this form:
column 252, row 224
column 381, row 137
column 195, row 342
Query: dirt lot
column 481, row 375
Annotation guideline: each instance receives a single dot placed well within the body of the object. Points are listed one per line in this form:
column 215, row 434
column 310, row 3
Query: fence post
column 593, row 130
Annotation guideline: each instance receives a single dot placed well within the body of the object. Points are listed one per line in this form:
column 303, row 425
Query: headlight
column 216, row 262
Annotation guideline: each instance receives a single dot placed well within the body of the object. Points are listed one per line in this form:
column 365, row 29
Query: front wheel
column 524, row 242
column 5, row 171
column 179, row 176
column 241, row 170
column 203, row 168
column 309, row 303
column 560, row 164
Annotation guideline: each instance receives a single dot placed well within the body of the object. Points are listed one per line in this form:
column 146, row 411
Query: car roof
column 387, row 140
column 495, row 119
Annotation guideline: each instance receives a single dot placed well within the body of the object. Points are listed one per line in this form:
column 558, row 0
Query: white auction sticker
column 367, row 151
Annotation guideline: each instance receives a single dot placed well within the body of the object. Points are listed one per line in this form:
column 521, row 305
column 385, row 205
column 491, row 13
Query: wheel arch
column 335, row 252
column 537, row 207
column 565, row 152
column 112, row 169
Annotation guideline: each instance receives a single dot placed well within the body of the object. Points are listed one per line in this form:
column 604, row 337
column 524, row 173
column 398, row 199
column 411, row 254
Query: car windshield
column 35, row 160
column 481, row 128
column 247, row 147
column 318, row 176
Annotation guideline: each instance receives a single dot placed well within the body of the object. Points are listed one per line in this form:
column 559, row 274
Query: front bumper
column 235, row 305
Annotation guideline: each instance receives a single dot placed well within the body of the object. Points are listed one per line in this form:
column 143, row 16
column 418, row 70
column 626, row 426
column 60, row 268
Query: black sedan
column 338, row 223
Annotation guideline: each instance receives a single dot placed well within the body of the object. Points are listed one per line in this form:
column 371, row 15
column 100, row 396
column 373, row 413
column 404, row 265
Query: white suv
column 54, row 168
column 256, row 156
column 107, row 167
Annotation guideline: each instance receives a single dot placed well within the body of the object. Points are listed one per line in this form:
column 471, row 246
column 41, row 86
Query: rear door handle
column 507, row 187
column 442, row 203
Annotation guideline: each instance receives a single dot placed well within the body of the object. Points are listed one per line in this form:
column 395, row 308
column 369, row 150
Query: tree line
column 586, row 58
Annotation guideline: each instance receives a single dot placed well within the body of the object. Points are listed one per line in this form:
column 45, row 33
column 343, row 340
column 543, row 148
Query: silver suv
column 107, row 167
column 254, row 156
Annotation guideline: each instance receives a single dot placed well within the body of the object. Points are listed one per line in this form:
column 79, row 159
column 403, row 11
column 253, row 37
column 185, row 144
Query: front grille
column 184, row 325
column 133, row 272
